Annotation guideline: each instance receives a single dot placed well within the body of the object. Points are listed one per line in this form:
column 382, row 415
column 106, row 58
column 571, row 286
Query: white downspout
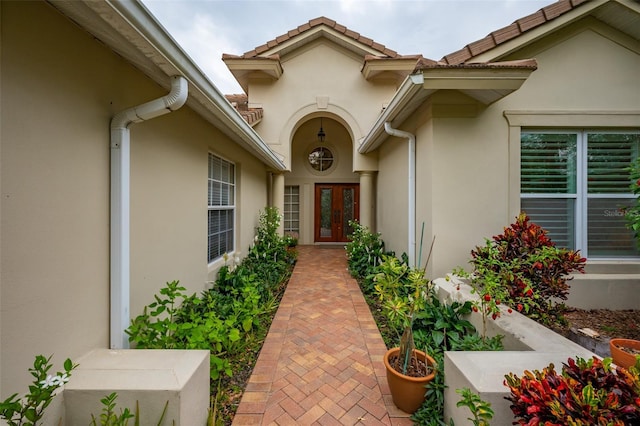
column 120, row 193
column 411, row 250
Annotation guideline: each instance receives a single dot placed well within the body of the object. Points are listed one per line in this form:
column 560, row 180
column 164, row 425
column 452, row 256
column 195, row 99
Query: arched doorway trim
column 310, row 111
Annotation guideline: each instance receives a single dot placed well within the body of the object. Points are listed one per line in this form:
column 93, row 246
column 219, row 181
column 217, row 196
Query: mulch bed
column 621, row 324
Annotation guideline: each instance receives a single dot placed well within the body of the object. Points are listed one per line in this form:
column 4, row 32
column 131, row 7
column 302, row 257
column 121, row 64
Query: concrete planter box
column 150, row 377
column 528, row 346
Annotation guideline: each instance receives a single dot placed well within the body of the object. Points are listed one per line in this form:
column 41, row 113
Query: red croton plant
column 587, row 392
column 528, row 267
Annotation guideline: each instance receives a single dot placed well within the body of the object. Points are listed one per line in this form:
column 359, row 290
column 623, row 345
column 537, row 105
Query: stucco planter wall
column 150, row 377
column 528, row 346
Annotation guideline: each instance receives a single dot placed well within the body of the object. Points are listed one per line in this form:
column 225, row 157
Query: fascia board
column 144, row 32
column 374, row 67
column 271, row 67
column 409, row 89
column 489, row 79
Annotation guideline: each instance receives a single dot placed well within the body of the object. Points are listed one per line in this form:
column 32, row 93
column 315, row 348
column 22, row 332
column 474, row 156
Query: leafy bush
column 632, row 213
column 441, row 327
column 223, row 318
column 268, row 257
column 29, row 409
column 480, row 410
column 108, row 416
column 587, row 392
column 524, row 266
column 364, row 254
column 437, row 326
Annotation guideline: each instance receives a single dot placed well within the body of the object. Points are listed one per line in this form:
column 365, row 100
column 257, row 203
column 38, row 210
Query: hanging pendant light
column 321, row 133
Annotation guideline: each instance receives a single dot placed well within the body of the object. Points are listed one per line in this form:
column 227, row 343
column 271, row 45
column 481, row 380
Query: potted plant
column 624, row 351
column 403, row 291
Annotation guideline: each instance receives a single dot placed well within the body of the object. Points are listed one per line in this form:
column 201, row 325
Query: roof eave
column 152, row 50
column 375, row 66
column 245, row 68
column 410, row 88
column 486, row 83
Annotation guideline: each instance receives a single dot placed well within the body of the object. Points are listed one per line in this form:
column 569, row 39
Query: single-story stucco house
column 142, row 172
column 541, row 116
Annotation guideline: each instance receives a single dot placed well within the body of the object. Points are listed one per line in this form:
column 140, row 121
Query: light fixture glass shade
column 321, row 134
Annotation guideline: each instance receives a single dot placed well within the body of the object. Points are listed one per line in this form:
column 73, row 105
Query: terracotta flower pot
column 621, row 357
column 407, row 392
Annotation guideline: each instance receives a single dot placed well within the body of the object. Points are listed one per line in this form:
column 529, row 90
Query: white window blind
column 549, row 183
column 221, row 207
column 574, row 184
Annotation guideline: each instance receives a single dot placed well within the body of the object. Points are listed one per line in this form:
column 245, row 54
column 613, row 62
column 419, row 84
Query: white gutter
column 411, row 249
column 411, row 87
column 205, row 98
column 120, row 194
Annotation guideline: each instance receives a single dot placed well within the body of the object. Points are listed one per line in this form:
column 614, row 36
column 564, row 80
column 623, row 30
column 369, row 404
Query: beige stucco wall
column 392, row 190
column 55, row 189
column 473, row 153
column 320, row 69
column 319, row 79
column 169, row 203
column 60, row 88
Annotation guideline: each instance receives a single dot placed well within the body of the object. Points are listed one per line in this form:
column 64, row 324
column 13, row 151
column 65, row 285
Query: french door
column 335, row 205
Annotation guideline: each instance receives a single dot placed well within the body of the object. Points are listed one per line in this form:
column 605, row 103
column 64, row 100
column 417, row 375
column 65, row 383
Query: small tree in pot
column 404, row 291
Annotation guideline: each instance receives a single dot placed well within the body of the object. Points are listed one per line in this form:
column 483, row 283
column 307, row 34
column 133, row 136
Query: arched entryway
column 321, row 191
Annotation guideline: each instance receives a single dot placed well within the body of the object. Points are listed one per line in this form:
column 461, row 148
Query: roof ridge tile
column 321, row 20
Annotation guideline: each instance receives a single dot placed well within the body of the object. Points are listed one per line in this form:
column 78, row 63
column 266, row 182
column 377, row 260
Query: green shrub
column 525, row 269
column 269, row 257
column 632, row 213
column 223, row 318
column 29, row 409
column 364, row 254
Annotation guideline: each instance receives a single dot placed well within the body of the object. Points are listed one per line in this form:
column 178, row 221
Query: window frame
column 289, row 205
column 582, row 195
column 230, row 206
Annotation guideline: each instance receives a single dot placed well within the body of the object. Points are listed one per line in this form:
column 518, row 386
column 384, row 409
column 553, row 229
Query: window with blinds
column 575, row 184
column 221, row 207
column 292, row 210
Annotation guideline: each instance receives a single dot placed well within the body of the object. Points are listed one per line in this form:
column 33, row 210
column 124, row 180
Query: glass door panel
column 335, row 206
column 326, row 211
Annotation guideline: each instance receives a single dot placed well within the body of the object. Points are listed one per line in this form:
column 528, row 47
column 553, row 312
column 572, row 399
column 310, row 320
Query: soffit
column 376, row 68
column 485, row 83
column 132, row 32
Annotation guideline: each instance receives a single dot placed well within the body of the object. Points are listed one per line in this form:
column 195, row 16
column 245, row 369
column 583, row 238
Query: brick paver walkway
column 321, row 363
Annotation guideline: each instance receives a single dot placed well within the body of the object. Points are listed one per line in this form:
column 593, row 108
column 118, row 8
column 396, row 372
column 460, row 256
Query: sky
column 206, row 29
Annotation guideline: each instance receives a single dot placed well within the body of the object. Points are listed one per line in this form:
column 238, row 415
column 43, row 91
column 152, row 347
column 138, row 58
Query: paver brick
column 321, row 363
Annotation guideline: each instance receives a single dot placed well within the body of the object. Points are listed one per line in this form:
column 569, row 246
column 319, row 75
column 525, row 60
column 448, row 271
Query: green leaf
column 247, row 324
column 234, row 335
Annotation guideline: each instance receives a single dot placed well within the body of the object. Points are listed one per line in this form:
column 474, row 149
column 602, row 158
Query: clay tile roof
column 241, row 103
column 316, row 23
column 509, row 32
column 425, row 63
